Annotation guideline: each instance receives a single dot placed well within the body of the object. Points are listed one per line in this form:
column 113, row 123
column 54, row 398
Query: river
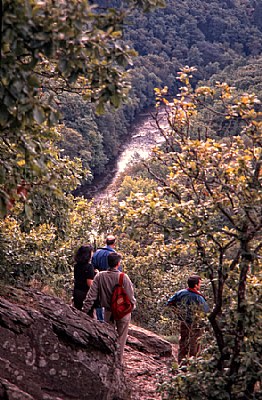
column 144, row 136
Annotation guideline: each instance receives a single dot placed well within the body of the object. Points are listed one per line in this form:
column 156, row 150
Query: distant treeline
column 222, row 38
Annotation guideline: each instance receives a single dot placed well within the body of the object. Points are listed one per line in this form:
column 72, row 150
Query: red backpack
column 120, row 302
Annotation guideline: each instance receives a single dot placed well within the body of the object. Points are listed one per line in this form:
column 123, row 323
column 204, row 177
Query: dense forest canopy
column 196, row 206
column 207, row 35
column 193, row 207
column 47, row 49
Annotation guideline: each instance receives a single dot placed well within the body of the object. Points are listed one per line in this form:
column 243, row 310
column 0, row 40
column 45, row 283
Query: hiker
column 102, row 288
column 100, row 263
column 83, row 275
column 188, row 304
column 99, row 259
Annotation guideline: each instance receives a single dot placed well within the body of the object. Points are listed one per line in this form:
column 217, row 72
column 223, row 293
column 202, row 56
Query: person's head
column 194, row 281
column 113, row 260
column 110, row 240
column 84, row 254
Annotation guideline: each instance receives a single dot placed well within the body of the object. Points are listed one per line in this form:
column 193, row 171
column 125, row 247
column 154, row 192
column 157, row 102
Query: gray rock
column 50, row 351
column 147, row 342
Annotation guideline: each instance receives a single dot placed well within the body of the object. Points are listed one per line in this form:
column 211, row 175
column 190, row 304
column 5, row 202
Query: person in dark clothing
column 83, row 275
column 188, row 304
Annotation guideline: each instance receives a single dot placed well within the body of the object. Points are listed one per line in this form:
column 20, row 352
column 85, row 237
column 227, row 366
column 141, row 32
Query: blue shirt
column 99, row 259
column 188, row 302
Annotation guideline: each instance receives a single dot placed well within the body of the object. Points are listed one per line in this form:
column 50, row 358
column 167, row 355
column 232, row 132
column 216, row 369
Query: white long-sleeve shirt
column 102, row 289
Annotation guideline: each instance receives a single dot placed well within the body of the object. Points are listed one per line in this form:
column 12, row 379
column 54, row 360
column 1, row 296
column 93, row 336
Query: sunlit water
column 145, row 136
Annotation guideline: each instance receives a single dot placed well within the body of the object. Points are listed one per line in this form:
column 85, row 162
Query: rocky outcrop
column 147, row 342
column 50, row 351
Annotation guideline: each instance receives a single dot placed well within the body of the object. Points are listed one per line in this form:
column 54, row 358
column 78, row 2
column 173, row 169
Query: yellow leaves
column 185, row 74
column 161, row 92
column 248, row 100
column 207, row 180
column 21, row 163
column 188, row 70
column 242, row 179
column 255, row 280
column 204, row 91
column 230, row 170
column 226, row 90
column 251, row 114
column 245, row 99
column 166, row 102
column 183, row 78
column 41, row 235
column 243, row 106
column 258, row 124
column 117, row 34
column 192, row 165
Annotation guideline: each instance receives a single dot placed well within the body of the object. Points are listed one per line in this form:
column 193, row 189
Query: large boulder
column 50, row 351
column 148, row 342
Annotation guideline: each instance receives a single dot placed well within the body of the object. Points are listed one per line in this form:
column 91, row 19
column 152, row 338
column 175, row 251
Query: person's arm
column 89, row 282
column 92, row 295
column 172, row 301
column 90, row 274
column 204, row 305
column 129, row 288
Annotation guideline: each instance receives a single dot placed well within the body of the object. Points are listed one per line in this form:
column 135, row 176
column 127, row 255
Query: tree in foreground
column 206, row 215
column 49, row 48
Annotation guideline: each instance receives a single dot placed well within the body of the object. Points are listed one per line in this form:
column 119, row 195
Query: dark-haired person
column 102, row 288
column 83, row 275
column 100, row 262
column 189, row 303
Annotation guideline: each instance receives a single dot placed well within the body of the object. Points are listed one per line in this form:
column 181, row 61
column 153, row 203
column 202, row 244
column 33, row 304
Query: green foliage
column 209, row 35
column 80, row 136
column 45, row 252
column 130, row 185
column 244, row 74
column 203, row 216
column 42, row 56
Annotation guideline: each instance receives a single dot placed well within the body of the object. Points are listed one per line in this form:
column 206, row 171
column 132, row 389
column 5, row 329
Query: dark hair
column 84, row 254
column 193, row 280
column 110, row 240
column 113, row 259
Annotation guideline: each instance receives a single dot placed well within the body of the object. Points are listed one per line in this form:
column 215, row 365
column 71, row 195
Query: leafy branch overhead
column 48, row 48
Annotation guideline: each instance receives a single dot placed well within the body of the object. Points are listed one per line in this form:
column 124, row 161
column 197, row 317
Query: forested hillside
column 194, row 207
column 209, row 35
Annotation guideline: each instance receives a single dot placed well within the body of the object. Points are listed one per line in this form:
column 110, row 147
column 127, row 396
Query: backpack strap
column 121, row 277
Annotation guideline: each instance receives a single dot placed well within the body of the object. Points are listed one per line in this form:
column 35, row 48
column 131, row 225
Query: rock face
column 147, row 342
column 50, row 351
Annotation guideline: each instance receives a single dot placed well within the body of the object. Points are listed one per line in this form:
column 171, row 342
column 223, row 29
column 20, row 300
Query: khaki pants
column 189, row 342
column 122, row 330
